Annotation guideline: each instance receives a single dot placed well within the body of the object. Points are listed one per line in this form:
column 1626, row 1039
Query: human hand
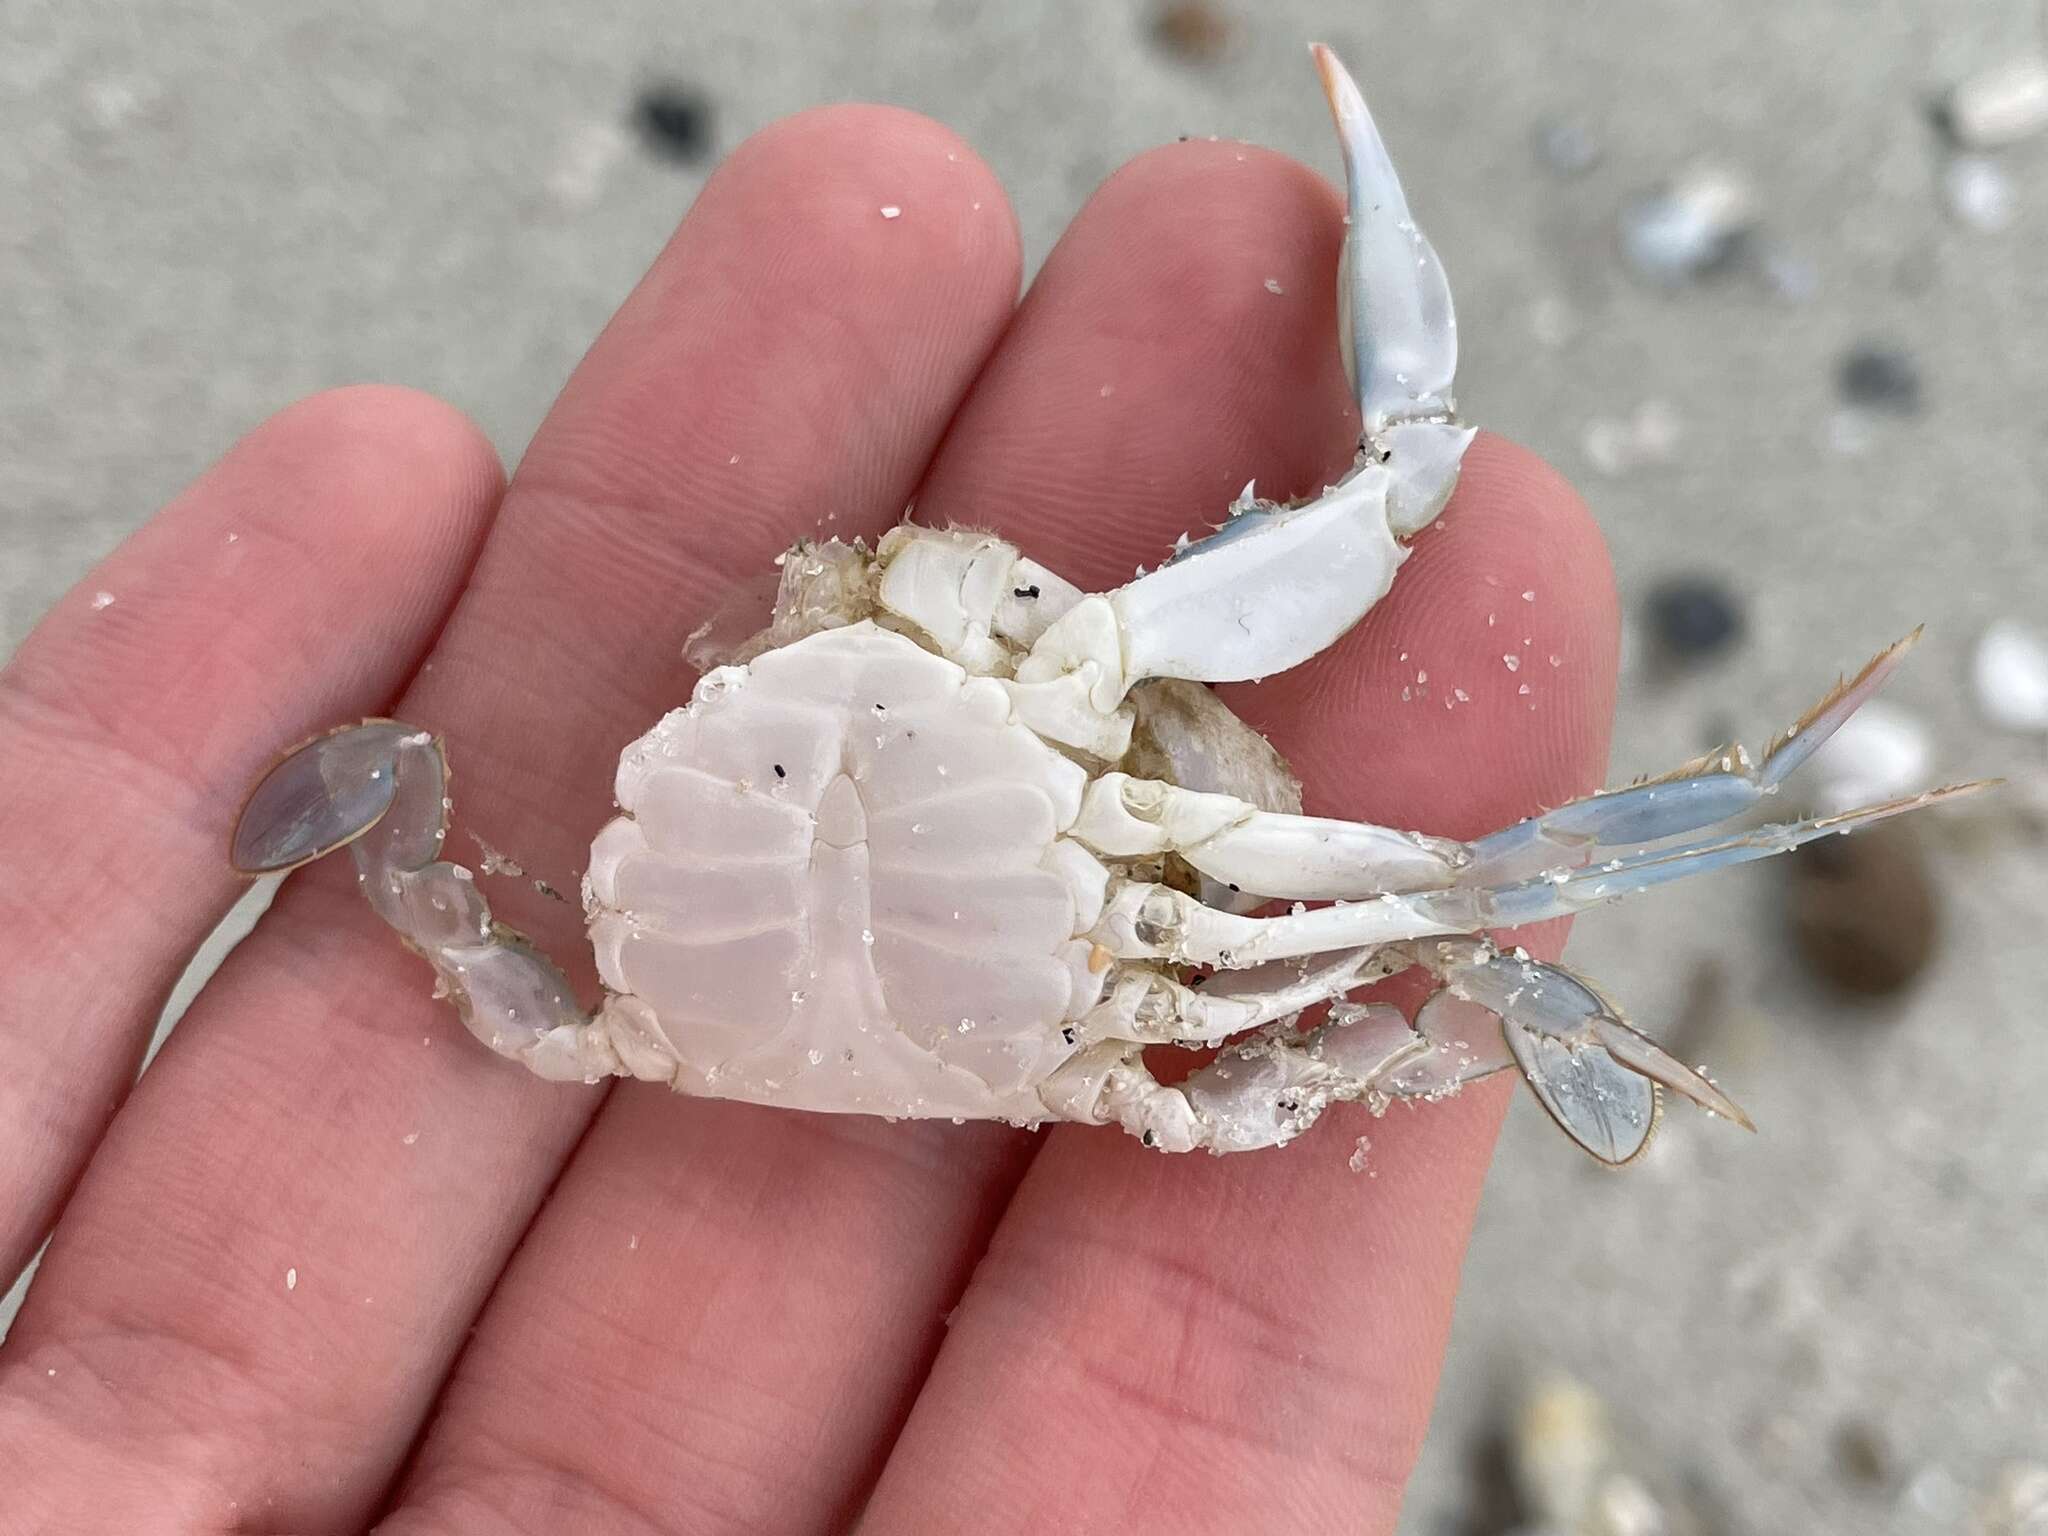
column 334, row 1264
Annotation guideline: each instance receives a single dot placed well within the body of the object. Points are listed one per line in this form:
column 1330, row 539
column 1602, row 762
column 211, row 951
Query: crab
column 952, row 837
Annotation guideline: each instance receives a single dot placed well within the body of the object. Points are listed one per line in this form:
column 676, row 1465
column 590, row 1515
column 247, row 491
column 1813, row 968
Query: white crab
column 937, row 842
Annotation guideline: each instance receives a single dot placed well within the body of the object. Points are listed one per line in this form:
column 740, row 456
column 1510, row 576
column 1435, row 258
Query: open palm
column 332, row 1265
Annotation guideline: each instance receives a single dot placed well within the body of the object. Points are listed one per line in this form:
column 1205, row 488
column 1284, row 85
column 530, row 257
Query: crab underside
column 952, row 837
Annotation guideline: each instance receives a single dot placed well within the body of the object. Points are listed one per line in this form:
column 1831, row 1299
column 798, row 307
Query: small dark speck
column 1067, row 1034
column 674, row 121
column 1694, row 617
column 1026, row 592
column 1192, row 30
column 781, row 772
column 1234, row 886
column 1880, row 377
column 1150, row 1140
column 881, row 709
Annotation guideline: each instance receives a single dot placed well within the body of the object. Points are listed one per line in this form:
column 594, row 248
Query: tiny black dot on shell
column 781, row 772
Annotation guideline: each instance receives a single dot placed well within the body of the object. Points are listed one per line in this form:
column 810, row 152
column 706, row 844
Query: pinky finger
column 300, row 580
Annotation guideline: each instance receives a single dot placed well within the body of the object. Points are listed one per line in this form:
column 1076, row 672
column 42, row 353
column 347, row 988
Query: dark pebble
column 1862, row 1454
column 1192, row 30
column 675, row 121
column 1694, row 617
column 1864, row 912
column 1881, row 378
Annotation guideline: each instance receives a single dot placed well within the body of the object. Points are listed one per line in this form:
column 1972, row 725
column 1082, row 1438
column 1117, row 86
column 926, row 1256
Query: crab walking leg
column 1145, row 920
column 1309, row 858
column 1271, row 853
column 1595, row 1074
column 381, row 790
column 1261, row 1092
column 1147, row 1007
column 1268, row 1088
column 1276, row 585
column 1713, row 789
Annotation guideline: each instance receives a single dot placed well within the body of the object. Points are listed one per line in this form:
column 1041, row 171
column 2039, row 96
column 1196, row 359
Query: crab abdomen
column 834, row 885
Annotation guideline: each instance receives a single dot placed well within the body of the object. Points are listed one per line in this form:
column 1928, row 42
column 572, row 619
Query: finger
column 782, row 1279
column 1252, row 1342
column 293, row 1225
column 132, row 720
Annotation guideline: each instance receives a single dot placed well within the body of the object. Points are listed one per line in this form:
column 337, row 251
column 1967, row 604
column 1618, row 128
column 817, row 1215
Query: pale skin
column 522, row 1306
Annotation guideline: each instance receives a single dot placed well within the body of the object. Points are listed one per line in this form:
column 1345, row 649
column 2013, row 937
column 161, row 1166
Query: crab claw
column 1395, row 321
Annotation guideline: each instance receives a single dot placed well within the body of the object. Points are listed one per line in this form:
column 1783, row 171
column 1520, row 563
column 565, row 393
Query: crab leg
column 1261, row 1092
column 1310, row 858
column 1595, row 1074
column 1150, row 1008
column 1275, row 585
column 1145, row 920
column 380, row 789
column 1700, row 794
column 1266, row 1089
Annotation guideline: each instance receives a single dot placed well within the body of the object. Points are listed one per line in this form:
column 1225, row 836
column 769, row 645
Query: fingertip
column 876, row 183
column 384, row 451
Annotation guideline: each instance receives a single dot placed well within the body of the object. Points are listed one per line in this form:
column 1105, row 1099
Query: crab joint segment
column 380, row 789
column 1277, row 584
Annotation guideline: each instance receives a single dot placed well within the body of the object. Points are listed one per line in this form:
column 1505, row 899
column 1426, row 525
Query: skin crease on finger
column 287, row 1236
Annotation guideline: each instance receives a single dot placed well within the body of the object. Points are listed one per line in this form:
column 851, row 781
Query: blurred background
column 1765, row 280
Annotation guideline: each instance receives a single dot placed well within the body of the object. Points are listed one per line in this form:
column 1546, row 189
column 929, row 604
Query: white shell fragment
column 1999, row 106
column 1881, row 752
column 1689, row 225
column 2009, row 676
column 1979, row 193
